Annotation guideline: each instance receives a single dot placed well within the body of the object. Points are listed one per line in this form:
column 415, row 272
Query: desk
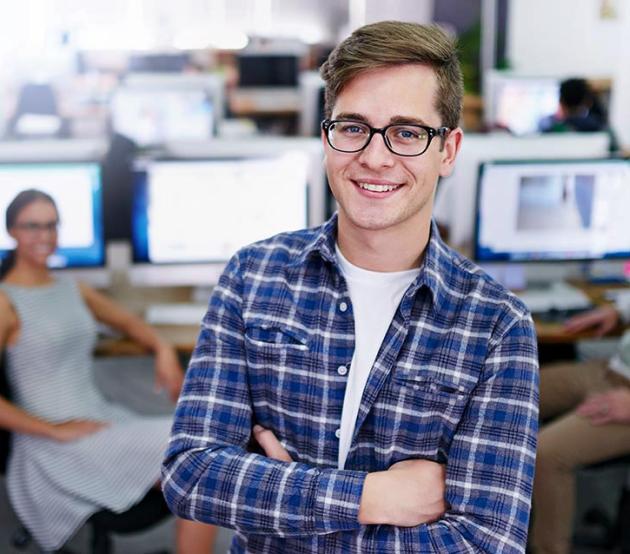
column 553, row 333
column 182, row 337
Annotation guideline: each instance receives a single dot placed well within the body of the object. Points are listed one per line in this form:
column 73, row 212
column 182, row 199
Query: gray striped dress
column 54, row 487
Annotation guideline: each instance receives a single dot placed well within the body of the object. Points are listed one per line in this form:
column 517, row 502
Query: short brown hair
column 390, row 43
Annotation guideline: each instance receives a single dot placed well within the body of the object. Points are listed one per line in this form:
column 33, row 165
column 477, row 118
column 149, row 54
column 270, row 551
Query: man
column 391, row 384
column 588, row 405
column 579, row 110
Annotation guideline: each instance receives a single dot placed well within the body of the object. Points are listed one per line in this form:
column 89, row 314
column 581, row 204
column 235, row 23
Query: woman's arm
column 169, row 373
column 16, row 420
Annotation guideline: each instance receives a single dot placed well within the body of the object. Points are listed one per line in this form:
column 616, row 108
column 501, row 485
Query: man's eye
column 350, row 129
column 410, row 134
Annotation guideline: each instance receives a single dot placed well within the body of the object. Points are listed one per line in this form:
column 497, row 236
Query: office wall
column 573, row 37
column 418, row 11
column 566, row 36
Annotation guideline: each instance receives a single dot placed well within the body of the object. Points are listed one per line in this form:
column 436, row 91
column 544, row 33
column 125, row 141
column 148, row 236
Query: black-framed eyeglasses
column 350, row 136
column 33, row 227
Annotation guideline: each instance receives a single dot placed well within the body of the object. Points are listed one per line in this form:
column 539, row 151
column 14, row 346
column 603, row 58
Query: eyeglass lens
column 350, row 136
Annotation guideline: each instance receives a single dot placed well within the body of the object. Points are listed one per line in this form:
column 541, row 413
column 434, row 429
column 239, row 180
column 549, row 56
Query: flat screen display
column 77, row 191
column 553, row 211
column 151, row 116
column 197, row 211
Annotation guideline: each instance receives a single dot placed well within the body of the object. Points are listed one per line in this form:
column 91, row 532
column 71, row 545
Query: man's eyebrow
column 352, row 116
column 396, row 120
column 405, row 120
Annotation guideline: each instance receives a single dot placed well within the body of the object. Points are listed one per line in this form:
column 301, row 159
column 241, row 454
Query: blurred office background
column 172, row 133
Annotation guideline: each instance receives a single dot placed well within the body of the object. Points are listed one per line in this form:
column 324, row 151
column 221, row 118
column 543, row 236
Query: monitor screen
column 518, row 103
column 268, row 70
column 76, row 189
column 151, row 116
column 553, row 211
column 193, row 211
column 454, row 206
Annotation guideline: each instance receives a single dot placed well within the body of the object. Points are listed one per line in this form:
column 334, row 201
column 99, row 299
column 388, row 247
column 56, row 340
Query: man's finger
column 270, row 444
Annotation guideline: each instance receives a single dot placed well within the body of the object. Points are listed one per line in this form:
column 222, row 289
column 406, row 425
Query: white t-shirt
column 375, row 297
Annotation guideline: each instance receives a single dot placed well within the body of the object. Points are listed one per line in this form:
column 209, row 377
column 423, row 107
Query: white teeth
column 377, row 188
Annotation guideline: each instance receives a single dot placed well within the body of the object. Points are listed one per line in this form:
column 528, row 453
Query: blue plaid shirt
column 455, row 381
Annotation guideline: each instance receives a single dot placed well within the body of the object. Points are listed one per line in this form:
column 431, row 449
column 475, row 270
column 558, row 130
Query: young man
column 587, row 408
column 391, row 384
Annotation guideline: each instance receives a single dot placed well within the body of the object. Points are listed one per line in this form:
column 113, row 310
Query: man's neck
column 393, row 249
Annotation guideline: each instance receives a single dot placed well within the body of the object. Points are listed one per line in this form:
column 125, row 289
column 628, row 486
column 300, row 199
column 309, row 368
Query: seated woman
column 590, row 406
column 73, row 452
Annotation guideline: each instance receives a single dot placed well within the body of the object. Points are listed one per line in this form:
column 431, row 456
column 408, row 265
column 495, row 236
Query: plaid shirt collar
column 436, row 264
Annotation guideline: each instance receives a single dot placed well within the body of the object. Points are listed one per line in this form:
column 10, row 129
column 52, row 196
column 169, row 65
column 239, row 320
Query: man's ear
column 452, row 144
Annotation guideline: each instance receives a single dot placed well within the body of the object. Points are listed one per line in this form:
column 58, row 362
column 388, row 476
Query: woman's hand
column 75, row 429
column 169, row 374
column 612, row 406
column 602, row 320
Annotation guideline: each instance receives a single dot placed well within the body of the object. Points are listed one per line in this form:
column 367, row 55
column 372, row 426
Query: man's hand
column 601, row 320
column 270, row 444
column 410, row 493
column 612, row 406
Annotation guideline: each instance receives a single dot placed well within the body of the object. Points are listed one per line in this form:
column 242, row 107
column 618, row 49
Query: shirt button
column 338, row 433
column 343, row 307
column 342, row 370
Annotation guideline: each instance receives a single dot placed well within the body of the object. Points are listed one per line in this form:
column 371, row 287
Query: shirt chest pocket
column 274, row 347
column 430, row 406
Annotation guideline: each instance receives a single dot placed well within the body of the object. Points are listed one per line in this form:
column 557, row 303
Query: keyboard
column 558, row 296
column 559, row 316
column 175, row 313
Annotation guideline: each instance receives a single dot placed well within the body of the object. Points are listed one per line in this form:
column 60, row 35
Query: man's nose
column 376, row 153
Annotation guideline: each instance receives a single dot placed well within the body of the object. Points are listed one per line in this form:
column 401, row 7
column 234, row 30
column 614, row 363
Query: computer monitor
column 268, row 69
column 312, row 103
column 454, row 206
column 155, row 108
column 76, row 189
column 191, row 215
column 150, row 117
column 518, row 102
column 553, row 211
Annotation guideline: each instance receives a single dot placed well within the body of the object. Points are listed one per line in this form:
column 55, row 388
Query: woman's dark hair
column 23, row 199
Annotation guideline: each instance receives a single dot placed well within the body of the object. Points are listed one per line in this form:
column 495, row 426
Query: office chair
column 615, row 533
column 151, row 510
column 37, row 101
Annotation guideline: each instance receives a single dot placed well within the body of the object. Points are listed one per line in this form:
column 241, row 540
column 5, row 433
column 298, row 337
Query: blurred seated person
column 73, row 453
column 36, row 114
column 579, row 110
column 590, row 406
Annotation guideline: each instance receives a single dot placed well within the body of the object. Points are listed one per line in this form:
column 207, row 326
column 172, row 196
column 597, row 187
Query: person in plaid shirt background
column 390, row 385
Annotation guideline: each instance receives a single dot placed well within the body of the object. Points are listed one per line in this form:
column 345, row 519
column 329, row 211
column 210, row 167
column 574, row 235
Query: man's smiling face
column 375, row 188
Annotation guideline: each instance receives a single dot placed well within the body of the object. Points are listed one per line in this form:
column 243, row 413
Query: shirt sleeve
column 490, row 467
column 208, row 475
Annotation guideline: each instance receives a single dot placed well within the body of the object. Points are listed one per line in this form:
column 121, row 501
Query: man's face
column 399, row 94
